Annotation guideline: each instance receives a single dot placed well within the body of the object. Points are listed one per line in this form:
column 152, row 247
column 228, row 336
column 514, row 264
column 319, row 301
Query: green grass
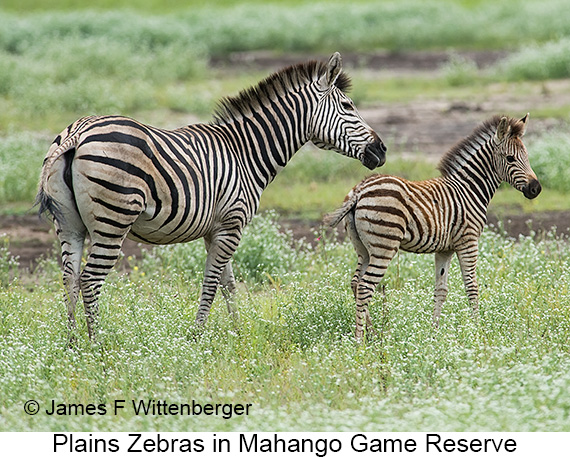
column 292, row 355
column 364, row 25
column 21, row 157
column 60, row 65
column 539, row 62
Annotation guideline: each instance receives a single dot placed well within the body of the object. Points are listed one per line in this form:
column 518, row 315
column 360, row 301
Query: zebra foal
column 444, row 215
column 106, row 178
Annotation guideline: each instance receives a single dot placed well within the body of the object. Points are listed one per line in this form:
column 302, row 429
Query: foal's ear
column 524, row 121
column 334, row 68
column 503, row 130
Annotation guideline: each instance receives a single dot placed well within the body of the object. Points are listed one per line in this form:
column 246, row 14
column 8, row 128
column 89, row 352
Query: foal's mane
column 469, row 146
column 276, row 85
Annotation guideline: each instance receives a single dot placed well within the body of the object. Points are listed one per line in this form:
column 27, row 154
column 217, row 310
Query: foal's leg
column 442, row 263
column 361, row 252
column 369, row 280
column 467, row 256
column 362, row 266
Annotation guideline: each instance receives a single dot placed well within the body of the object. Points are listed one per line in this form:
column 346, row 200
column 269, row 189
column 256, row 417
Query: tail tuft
column 334, row 218
column 47, row 206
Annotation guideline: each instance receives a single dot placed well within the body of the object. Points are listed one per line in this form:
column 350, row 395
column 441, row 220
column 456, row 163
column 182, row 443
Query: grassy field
column 57, row 66
column 291, row 355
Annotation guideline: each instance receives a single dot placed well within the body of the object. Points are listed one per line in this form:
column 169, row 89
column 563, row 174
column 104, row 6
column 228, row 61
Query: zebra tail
column 334, row 218
column 46, row 203
column 71, row 135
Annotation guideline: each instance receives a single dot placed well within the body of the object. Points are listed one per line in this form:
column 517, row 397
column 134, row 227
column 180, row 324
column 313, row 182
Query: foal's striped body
column 444, row 215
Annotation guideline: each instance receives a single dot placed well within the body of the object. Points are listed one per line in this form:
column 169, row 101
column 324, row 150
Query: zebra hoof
column 196, row 331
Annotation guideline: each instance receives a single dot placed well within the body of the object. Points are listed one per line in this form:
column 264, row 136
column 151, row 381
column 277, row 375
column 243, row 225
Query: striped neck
column 272, row 136
column 471, row 163
column 271, row 119
column 269, row 133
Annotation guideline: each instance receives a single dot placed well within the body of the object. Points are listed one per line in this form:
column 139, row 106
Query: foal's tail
column 334, row 218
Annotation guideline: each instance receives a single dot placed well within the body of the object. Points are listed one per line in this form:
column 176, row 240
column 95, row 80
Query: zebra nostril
column 377, row 141
column 374, row 155
column 532, row 189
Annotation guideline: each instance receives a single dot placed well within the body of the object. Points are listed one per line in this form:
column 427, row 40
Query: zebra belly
column 425, row 235
column 147, row 231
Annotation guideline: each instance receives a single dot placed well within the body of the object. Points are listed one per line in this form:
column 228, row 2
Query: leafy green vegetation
column 8, row 263
column 538, row 62
column 551, row 160
column 21, row 157
column 265, row 252
column 292, row 350
column 363, row 25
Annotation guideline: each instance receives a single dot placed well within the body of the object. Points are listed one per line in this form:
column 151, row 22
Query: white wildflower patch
column 291, row 354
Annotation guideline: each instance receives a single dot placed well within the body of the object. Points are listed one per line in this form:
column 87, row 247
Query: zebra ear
column 524, row 121
column 503, row 130
column 333, row 70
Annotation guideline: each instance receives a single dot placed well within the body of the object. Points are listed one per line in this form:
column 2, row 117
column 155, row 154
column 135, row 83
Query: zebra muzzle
column 374, row 155
column 532, row 189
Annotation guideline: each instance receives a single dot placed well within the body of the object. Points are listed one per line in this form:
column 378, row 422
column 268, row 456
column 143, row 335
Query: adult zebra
column 441, row 215
column 111, row 177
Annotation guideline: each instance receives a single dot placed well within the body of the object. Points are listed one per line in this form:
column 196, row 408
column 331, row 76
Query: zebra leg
column 71, row 252
column 442, row 263
column 228, row 287
column 221, row 248
column 227, row 284
column 103, row 255
column 360, row 268
column 367, row 284
column 361, row 252
column 467, row 256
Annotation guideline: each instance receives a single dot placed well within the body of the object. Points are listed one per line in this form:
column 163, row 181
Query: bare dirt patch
column 32, row 239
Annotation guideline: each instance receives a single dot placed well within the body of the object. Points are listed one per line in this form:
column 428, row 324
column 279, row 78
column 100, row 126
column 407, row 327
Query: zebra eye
column 510, row 159
column 347, row 106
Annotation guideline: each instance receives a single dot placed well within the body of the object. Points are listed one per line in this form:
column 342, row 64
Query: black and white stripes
column 442, row 215
column 109, row 177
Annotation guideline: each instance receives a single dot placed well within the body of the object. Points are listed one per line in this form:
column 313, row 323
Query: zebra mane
column 465, row 149
column 276, row 85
